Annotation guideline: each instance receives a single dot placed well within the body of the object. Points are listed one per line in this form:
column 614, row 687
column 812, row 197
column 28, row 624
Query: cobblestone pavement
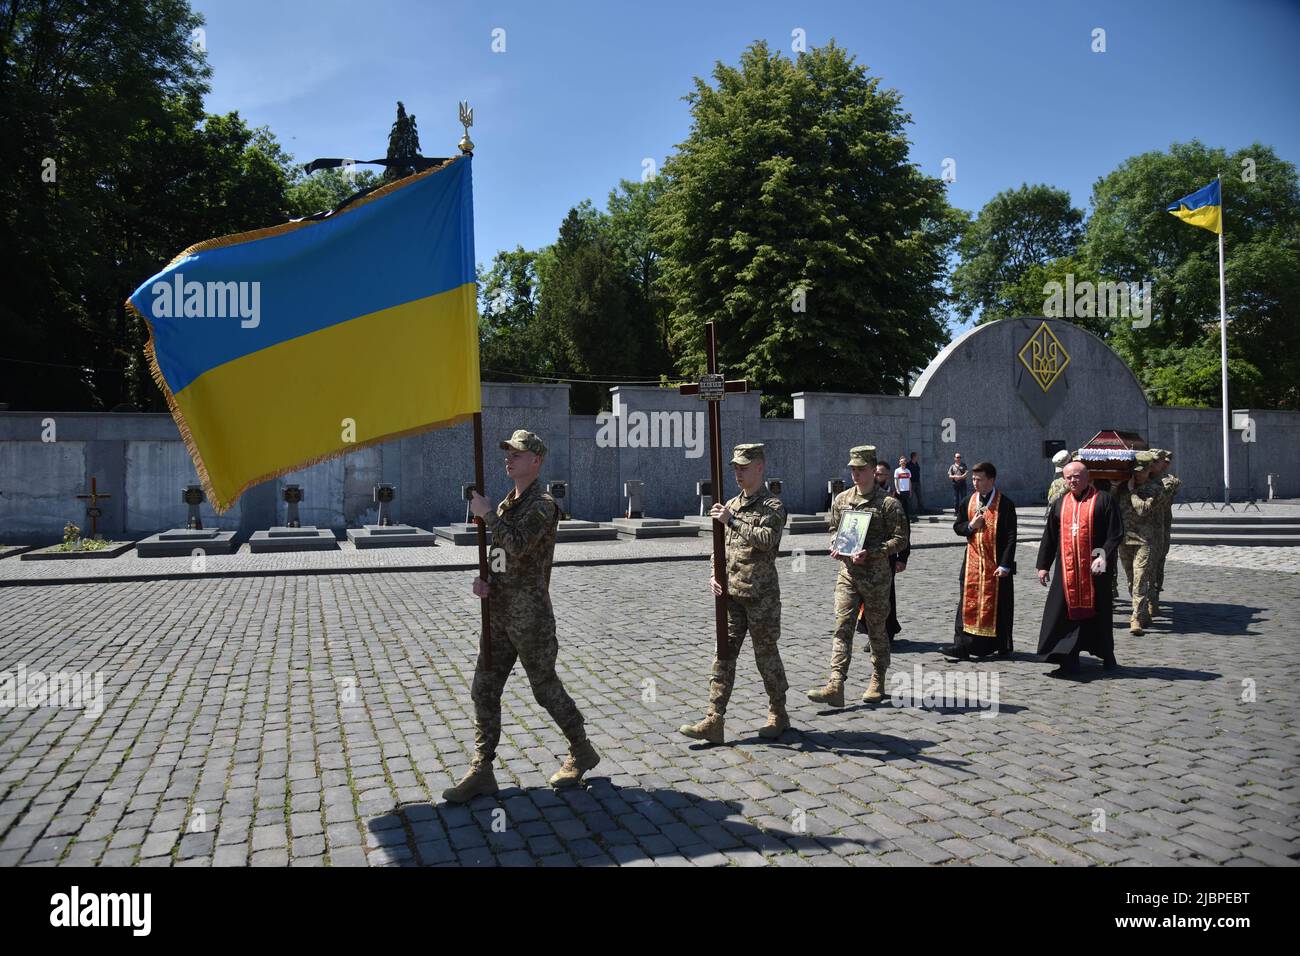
column 315, row 720
column 1228, row 557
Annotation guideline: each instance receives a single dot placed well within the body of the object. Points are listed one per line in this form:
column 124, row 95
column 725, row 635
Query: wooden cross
column 712, row 388
column 93, row 512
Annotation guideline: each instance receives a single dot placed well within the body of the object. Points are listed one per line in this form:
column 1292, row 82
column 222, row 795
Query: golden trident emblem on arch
column 1044, row 356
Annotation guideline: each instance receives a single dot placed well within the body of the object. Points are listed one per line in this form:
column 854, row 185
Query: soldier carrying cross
column 747, row 593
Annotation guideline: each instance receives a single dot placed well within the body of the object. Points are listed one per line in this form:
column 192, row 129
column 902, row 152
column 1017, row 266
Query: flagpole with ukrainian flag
column 466, row 147
column 294, row 344
column 1204, row 208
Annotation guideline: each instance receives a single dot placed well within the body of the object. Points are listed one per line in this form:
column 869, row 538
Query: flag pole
column 484, row 641
column 715, row 470
column 466, row 147
column 1223, row 347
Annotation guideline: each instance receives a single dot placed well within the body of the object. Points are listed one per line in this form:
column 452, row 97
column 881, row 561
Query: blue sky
column 585, row 91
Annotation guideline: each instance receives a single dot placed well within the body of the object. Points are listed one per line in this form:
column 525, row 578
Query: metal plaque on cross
column 712, row 388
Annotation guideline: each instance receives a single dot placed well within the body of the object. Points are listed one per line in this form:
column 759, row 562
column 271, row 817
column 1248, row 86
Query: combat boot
column 582, row 757
column 1135, row 627
column 778, row 722
column 832, row 693
column 479, row 781
column 876, row 689
column 709, row 729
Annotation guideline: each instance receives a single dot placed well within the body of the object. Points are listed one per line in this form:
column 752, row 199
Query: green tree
column 1131, row 237
column 585, row 306
column 1016, row 230
column 403, row 143
column 1192, row 376
column 589, row 305
column 631, row 228
column 204, row 176
column 325, row 189
column 1028, row 294
column 112, row 168
column 793, row 218
column 509, row 344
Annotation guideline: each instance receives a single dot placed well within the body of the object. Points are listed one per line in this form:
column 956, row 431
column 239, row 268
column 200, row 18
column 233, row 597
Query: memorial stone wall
column 1000, row 391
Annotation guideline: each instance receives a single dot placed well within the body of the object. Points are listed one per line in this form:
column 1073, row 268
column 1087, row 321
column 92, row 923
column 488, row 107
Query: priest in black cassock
column 986, row 518
column 1083, row 534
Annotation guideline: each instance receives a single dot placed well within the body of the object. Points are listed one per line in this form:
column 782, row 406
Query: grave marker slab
column 280, row 539
column 391, row 536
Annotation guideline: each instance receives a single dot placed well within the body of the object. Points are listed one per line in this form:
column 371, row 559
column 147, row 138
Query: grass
column 96, row 543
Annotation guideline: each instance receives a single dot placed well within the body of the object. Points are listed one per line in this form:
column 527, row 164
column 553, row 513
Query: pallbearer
column 1170, row 484
column 754, row 520
column 865, row 575
column 1139, row 509
column 986, row 606
column 1082, row 537
column 1057, row 487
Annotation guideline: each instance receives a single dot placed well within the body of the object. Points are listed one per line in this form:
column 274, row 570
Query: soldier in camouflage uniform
column 1139, row 508
column 754, row 520
column 523, row 624
column 864, row 576
column 1058, row 487
column 1170, row 484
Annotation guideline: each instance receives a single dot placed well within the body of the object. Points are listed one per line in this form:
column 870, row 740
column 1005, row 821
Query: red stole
column 1076, row 554
column 979, row 596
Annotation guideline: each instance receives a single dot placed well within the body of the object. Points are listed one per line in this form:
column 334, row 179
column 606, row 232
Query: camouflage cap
column 1145, row 459
column 524, row 440
column 1061, row 459
column 747, row 454
column 862, row 456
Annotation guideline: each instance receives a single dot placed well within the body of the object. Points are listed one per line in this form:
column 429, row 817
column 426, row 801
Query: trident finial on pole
column 466, row 120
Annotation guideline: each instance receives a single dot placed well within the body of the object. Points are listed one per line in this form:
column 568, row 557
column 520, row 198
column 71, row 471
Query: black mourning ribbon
column 418, row 163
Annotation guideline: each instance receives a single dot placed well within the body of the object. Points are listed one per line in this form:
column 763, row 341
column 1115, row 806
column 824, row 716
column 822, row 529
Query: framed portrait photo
column 851, row 535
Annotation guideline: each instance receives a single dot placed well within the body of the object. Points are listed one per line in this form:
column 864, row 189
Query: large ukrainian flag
column 364, row 320
column 1202, row 208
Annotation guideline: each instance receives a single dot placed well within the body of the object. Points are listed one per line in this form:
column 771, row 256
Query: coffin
column 1111, row 455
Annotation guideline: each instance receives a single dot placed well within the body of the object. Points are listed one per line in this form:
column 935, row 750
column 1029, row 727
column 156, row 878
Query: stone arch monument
column 1003, row 390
